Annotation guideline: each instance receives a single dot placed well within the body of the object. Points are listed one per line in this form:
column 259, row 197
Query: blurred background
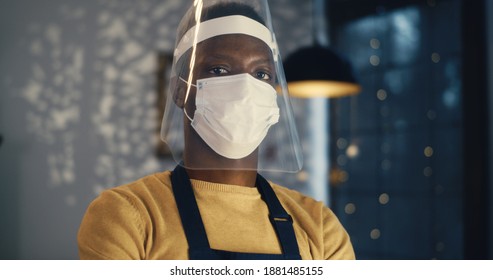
column 405, row 162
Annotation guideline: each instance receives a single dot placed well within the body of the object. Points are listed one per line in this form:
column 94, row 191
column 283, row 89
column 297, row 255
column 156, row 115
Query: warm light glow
column 341, row 160
column 428, row 151
column 375, row 233
column 428, row 171
column 350, row 208
column 341, row 143
column 302, row 176
column 319, row 88
column 352, row 151
column 435, row 57
column 383, row 198
column 374, row 60
column 338, row 176
column 375, row 43
column 381, row 94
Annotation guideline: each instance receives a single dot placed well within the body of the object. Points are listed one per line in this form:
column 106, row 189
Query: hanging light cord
column 320, row 37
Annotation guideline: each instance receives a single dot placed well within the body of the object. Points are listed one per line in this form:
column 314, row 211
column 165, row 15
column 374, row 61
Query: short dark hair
column 223, row 10
column 230, row 9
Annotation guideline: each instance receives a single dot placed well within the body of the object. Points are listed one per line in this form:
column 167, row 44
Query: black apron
column 199, row 248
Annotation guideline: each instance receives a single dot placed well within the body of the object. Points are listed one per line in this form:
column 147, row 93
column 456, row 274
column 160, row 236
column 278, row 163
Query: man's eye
column 263, row 76
column 218, row 71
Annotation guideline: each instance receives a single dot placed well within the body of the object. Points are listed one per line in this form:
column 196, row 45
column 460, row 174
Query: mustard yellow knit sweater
column 140, row 220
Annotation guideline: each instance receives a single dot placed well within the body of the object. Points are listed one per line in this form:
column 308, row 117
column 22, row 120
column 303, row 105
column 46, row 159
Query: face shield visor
column 227, row 107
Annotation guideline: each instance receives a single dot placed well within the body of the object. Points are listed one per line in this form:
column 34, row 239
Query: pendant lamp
column 317, row 70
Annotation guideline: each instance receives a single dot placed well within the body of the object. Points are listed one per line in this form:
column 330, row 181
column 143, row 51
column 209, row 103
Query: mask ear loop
column 186, row 96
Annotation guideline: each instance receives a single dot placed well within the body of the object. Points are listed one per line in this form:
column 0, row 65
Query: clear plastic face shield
column 227, row 106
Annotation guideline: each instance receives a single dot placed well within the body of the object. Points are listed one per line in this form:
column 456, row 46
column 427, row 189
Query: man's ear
column 178, row 86
column 179, row 91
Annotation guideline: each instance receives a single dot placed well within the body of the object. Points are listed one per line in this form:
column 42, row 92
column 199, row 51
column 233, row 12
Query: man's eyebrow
column 218, row 56
column 263, row 59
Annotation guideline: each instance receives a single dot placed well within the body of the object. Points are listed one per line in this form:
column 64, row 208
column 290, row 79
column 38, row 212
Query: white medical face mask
column 234, row 113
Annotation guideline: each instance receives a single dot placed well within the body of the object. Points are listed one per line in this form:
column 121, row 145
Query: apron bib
column 198, row 244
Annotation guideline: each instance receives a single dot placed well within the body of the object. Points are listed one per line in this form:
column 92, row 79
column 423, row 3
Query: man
column 226, row 82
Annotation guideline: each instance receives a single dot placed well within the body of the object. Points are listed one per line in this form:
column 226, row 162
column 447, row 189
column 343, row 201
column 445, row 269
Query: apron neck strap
column 188, row 209
column 280, row 219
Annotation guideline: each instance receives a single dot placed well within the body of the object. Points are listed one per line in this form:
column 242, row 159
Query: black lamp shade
column 323, row 66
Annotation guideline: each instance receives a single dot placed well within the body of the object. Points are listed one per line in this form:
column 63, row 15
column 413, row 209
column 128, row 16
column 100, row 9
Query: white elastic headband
column 225, row 25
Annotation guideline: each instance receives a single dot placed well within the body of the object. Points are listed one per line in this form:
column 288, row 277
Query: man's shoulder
column 285, row 191
column 291, row 198
column 155, row 180
column 145, row 188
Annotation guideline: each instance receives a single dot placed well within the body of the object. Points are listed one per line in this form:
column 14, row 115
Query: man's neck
column 245, row 178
